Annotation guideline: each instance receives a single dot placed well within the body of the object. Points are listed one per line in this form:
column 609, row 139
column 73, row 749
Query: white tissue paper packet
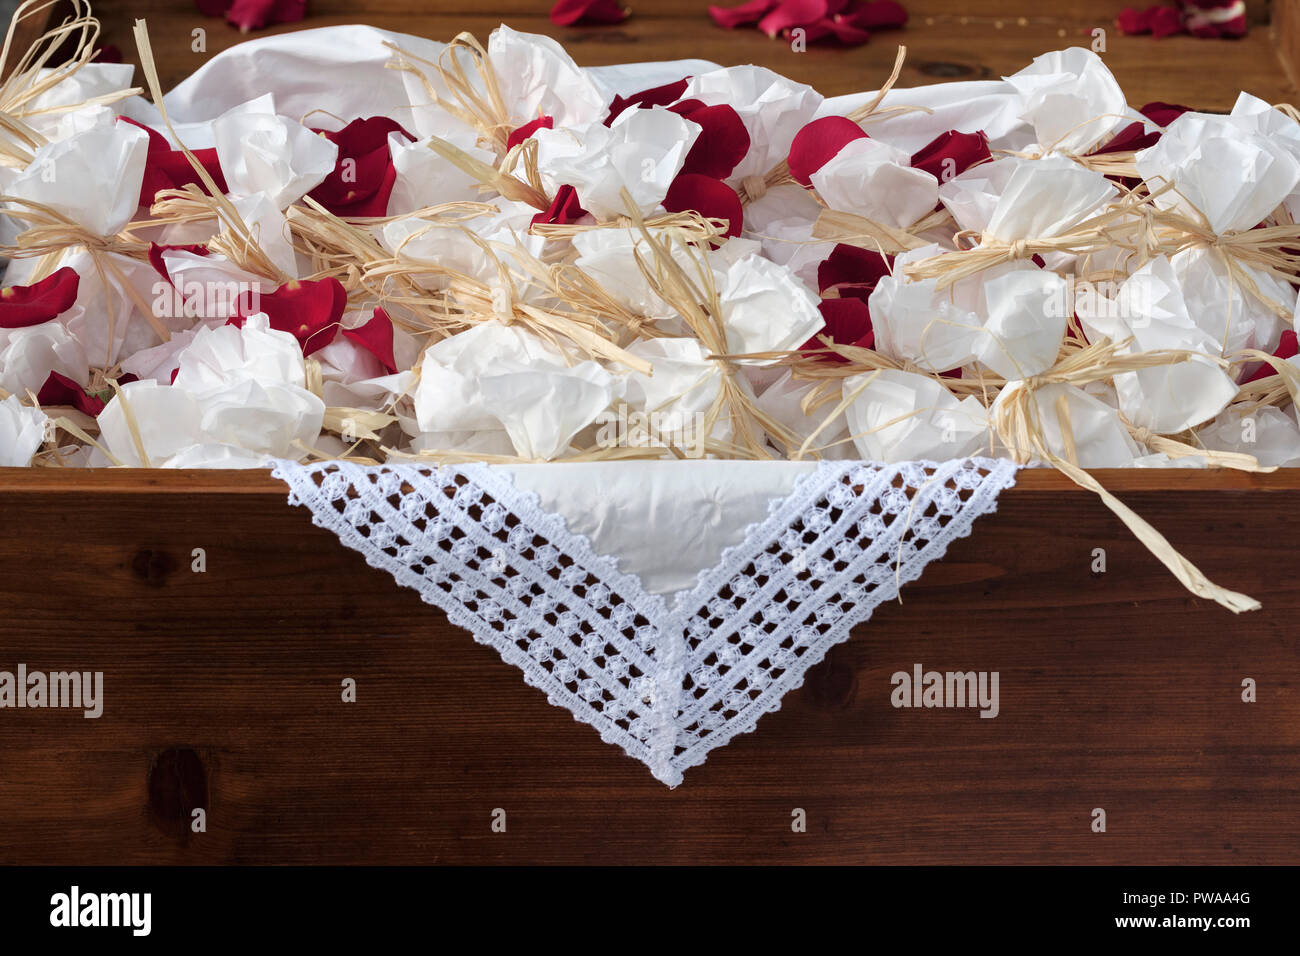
column 903, row 416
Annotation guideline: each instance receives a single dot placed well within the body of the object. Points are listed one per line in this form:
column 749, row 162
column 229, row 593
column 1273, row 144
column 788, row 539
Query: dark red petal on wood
column 376, row 337
column 22, row 306
column 963, row 149
column 61, row 390
column 818, row 142
column 1134, row 22
column 1165, row 22
column 746, row 13
column 522, row 133
column 568, row 12
column 213, row 8
column 255, row 14
column 710, row 197
column 879, row 15
column 722, row 143
column 841, row 28
column 792, row 13
column 308, row 310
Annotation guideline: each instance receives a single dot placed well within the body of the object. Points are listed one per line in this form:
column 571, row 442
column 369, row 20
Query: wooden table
column 222, row 692
column 947, row 40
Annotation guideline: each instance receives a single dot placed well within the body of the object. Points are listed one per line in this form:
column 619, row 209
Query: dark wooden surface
column 947, row 40
column 222, row 690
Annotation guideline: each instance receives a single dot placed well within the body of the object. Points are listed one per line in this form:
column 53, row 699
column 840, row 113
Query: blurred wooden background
column 947, row 40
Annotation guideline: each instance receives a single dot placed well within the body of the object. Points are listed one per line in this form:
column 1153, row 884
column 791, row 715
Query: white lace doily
column 666, row 680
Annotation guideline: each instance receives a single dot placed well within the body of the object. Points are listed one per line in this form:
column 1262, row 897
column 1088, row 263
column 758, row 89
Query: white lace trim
column 665, row 681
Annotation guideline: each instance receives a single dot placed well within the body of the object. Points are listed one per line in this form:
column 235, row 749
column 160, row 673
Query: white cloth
column 666, row 680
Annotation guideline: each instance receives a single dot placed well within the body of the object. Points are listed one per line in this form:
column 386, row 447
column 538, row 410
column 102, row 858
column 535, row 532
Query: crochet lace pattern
column 667, row 679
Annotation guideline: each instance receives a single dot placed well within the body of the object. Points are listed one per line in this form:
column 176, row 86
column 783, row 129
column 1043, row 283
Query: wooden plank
column 1101, row 12
column 165, row 481
column 945, row 51
column 1118, row 690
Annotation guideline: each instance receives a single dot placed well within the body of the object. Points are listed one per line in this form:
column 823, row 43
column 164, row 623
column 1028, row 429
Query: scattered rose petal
column 156, row 257
column 878, row 15
column 655, row 96
column 61, row 390
column 563, row 210
column 22, row 306
column 852, row 271
column 848, row 322
column 167, row 168
column 711, row 198
column 363, row 175
column 376, row 337
column 1134, row 22
column 1213, row 19
column 817, row 143
column 792, row 13
column 566, row 13
column 1287, row 347
column 1165, row 22
column 522, row 133
column 308, row 310
column 743, row 15
column 952, row 153
column 723, row 140
column 108, row 53
column 255, row 14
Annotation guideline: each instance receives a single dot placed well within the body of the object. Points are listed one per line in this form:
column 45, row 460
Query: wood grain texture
column 1205, row 73
column 1118, row 691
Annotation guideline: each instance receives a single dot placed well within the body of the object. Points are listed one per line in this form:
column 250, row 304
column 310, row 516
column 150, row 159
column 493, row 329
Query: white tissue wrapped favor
column 464, row 251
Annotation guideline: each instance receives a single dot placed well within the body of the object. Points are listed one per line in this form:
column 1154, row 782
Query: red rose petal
column 963, row 149
column 793, row 13
column 1134, row 22
column 255, row 14
column 212, row 8
column 308, row 310
column 568, row 12
column 746, row 13
column 376, row 337
column 61, row 390
column 1162, row 114
column 711, row 198
column 363, row 175
column 817, row 143
column 1287, row 347
column 848, row 322
column 1165, row 22
column 852, row 266
column 524, row 132
column 722, row 143
column 156, row 257
column 655, row 96
column 167, row 168
column 563, row 210
column 880, row 15
column 22, row 306
column 844, row 32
